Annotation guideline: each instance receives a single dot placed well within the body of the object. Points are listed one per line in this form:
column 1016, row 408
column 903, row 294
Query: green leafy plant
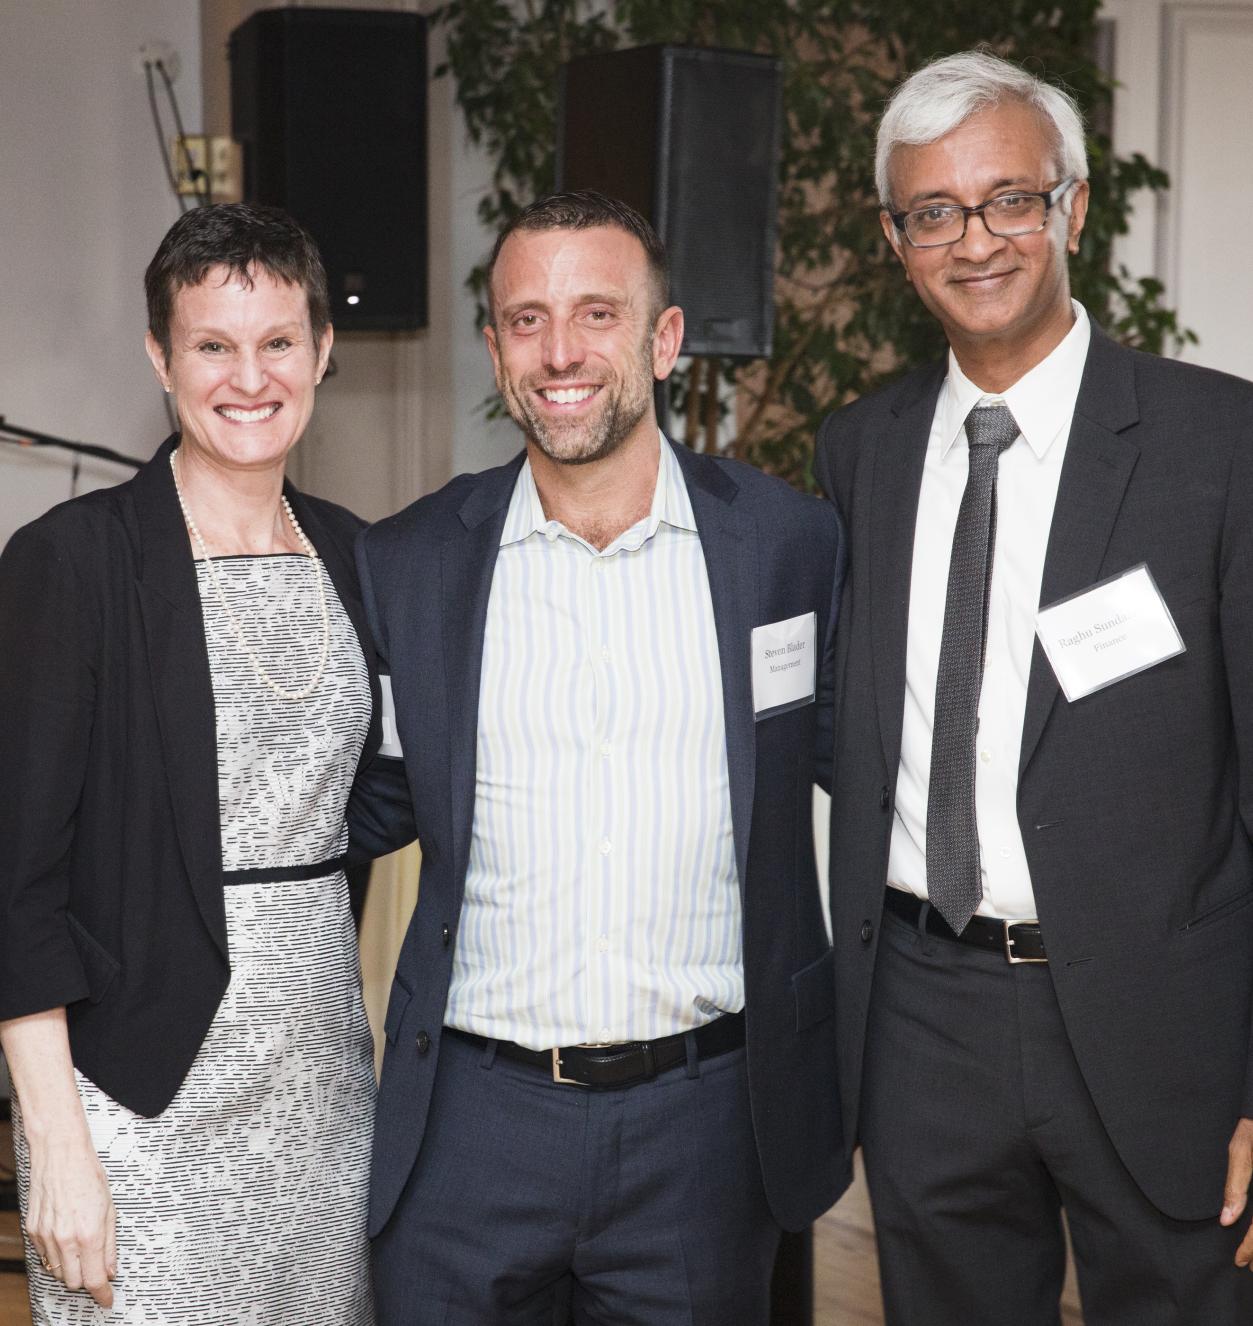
column 846, row 321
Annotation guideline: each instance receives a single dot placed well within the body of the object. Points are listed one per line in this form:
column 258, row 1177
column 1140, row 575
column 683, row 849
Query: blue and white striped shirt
column 602, row 900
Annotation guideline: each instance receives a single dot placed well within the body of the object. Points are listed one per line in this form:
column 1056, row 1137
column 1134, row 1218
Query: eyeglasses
column 1007, row 215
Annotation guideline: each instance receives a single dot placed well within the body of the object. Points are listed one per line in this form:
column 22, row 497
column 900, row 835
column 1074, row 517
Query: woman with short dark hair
column 186, row 691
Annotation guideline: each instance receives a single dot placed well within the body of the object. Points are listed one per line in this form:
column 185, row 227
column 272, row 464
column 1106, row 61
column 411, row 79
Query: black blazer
column 110, row 849
column 1133, row 808
column 771, row 553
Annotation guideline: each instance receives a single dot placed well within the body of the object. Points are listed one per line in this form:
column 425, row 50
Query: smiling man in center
column 611, row 1064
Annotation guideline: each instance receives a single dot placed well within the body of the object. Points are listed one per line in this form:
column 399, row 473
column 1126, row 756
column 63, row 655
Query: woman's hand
column 69, row 1219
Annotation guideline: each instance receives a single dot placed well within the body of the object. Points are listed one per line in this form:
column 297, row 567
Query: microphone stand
column 29, row 437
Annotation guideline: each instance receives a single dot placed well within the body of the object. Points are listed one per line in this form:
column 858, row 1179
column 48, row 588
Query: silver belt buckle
column 568, row 1081
column 1010, row 955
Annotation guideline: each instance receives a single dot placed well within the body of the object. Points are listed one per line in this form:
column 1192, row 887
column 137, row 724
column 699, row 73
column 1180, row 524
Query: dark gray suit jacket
column 1133, row 808
column 771, row 553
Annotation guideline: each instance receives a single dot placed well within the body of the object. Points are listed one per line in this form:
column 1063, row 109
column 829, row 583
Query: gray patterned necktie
column 953, row 880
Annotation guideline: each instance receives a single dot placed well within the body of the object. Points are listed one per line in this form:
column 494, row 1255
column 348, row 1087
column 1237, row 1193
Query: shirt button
column 423, row 1042
column 605, row 847
column 604, row 653
column 602, row 944
column 604, row 1035
column 1005, row 852
column 606, row 748
column 986, row 756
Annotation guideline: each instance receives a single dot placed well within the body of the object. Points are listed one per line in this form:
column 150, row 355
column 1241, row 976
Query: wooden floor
column 846, row 1273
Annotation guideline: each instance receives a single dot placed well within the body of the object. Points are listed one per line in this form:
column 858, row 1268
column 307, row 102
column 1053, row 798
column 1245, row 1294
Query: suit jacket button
column 445, row 936
column 867, row 932
column 885, row 799
column 424, row 1042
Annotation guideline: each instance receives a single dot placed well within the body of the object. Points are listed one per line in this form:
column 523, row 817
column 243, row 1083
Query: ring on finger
column 51, row 1267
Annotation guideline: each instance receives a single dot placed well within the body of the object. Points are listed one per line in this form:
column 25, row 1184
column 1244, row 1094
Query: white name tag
column 784, row 668
column 1108, row 632
column 391, row 741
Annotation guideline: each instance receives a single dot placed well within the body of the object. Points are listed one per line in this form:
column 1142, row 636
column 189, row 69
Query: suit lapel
column 899, row 454
column 467, row 564
column 729, row 542
column 1094, row 478
column 182, row 688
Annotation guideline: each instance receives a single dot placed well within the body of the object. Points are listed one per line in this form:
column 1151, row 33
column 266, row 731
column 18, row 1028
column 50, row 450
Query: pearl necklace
column 310, row 551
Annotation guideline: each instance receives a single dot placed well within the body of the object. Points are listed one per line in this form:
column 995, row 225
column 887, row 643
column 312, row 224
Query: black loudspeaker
column 330, row 107
column 690, row 138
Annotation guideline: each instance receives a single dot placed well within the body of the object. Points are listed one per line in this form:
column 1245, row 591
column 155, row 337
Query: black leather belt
column 611, row 1067
column 1016, row 941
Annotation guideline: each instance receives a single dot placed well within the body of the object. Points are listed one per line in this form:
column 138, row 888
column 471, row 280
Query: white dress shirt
column 602, row 897
column 1043, row 405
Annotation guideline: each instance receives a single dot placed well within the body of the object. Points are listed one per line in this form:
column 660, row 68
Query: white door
column 1186, row 102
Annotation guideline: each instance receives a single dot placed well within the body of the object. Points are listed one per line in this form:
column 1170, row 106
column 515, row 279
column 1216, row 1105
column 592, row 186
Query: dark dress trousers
column 111, row 872
column 770, row 554
column 1135, row 803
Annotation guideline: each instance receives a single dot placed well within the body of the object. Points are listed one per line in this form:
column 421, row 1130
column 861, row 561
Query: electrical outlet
column 189, row 158
column 197, row 159
column 152, row 53
column 226, row 170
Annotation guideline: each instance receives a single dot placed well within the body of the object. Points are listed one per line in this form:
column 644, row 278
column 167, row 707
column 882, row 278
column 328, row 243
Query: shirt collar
column 671, row 505
column 1042, row 401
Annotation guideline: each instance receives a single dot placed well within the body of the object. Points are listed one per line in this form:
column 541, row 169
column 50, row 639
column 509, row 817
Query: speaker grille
column 690, row 137
column 330, row 106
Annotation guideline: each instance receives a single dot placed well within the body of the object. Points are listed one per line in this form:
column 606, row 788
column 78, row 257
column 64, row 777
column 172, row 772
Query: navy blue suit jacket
column 771, row 553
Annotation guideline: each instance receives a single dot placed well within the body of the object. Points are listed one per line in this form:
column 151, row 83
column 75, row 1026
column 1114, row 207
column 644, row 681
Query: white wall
column 85, row 205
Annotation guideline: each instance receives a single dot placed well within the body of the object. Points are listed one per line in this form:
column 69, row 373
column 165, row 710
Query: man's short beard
column 602, row 437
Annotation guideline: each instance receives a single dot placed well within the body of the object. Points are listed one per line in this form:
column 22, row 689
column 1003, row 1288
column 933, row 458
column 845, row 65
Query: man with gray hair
column 1042, row 873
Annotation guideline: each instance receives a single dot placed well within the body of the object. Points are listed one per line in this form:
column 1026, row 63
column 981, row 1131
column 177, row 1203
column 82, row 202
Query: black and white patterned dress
column 244, row 1202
